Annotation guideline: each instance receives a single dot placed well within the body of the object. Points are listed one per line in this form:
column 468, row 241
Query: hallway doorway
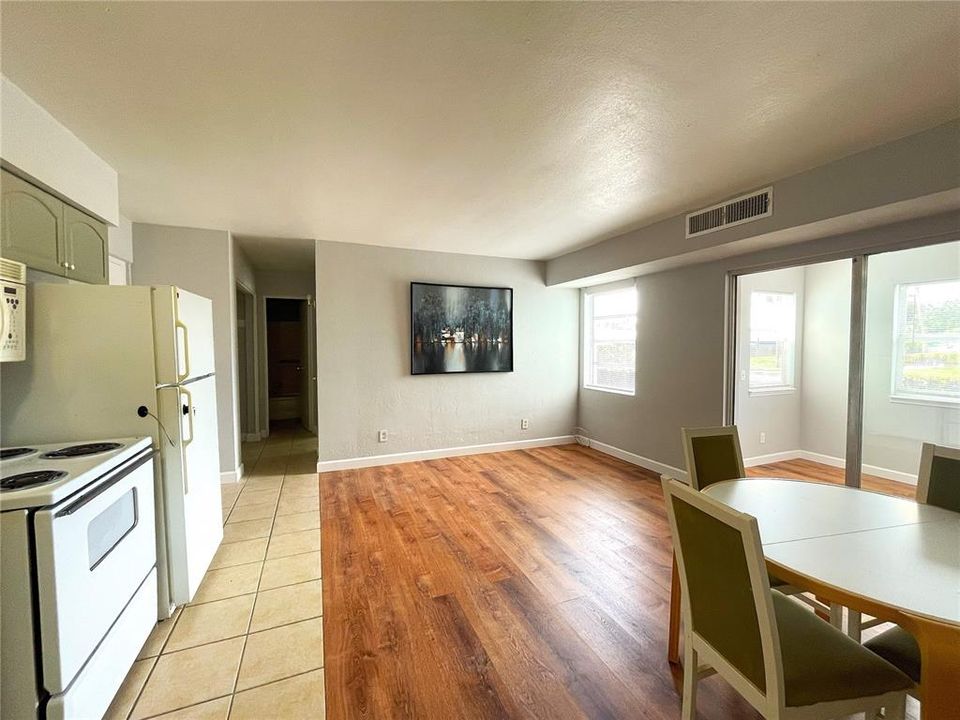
column 291, row 362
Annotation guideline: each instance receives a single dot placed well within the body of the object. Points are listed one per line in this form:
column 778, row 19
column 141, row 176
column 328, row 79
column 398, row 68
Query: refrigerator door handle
column 182, row 326
column 188, row 411
column 186, row 352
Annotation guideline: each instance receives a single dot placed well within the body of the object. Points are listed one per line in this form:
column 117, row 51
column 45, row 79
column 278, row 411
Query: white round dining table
column 884, row 556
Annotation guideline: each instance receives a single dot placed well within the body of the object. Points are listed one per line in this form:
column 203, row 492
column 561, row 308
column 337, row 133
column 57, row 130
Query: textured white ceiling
column 507, row 129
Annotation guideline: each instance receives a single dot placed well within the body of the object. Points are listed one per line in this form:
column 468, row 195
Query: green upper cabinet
column 32, row 226
column 86, row 242
column 44, row 233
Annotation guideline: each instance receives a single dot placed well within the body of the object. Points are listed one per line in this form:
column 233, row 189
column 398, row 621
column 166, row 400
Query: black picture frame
column 443, row 345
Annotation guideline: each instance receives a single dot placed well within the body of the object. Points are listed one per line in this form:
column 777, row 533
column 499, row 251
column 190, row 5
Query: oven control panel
column 13, row 311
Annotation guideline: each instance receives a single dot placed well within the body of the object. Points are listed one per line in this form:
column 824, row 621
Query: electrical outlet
column 525, row 424
column 763, row 438
column 382, row 436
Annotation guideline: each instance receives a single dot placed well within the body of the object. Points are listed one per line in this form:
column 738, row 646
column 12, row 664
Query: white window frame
column 587, row 336
column 789, row 384
column 896, row 393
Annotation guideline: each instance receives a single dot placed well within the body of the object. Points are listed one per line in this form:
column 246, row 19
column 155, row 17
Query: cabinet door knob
column 72, row 266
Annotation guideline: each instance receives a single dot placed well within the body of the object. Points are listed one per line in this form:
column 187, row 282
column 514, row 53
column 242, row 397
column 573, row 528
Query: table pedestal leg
column 673, row 637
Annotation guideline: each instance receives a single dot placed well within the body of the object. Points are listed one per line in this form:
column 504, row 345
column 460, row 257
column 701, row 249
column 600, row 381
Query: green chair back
column 939, row 481
column 718, row 586
column 713, row 455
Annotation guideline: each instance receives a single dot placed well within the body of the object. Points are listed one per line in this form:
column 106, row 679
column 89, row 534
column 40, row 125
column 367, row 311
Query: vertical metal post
column 730, row 343
column 858, row 326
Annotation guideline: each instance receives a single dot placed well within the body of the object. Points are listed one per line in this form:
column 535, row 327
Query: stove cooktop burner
column 74, row 451
column 29, row 479
column 11, row 453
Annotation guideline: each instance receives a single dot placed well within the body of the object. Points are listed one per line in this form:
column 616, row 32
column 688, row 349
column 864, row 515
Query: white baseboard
column 771, row 458
column 886, row 473
column 634, row 459
column 832, row 461
column 417, row 455
column 234, row 476
column 251, row 437
column 822, row 459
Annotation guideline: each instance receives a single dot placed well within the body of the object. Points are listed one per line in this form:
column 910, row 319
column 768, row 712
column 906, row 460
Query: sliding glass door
column 911, row 377
column 792, row 359
column 841, row 370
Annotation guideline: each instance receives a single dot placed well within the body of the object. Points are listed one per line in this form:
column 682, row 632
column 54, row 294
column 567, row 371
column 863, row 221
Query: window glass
column 927, row 340
column 773, row 332
column 610, row 340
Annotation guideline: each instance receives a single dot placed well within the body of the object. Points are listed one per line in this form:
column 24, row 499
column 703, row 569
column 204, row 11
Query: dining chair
column 780, row 657
column 938, row 483
column 713, row 455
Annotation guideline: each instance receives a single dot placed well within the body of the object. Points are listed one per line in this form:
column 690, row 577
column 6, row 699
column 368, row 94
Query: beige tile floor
column 250, row 645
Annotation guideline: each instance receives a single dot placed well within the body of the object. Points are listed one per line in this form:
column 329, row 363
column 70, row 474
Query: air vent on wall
column 745, row 208
column 13, row 271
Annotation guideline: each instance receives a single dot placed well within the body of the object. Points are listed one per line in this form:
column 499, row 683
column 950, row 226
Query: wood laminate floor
column 524, row 584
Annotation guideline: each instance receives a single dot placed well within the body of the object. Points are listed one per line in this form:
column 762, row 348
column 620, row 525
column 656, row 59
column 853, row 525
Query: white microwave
column 13, row 311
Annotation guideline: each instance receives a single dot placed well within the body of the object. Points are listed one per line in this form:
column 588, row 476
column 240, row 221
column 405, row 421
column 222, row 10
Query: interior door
column 310, row 353
column 191, row 479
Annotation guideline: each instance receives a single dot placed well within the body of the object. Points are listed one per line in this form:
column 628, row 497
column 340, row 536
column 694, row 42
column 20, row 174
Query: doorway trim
column 311, row 361
column 251, row 350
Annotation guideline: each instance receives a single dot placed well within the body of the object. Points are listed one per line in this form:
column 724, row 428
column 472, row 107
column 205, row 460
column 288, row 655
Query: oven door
column 93, row 552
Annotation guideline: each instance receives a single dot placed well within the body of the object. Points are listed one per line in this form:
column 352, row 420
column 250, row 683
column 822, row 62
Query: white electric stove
column 78, row 550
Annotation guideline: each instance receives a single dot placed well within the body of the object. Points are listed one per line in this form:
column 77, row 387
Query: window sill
column 952, row 403
column 778, row 390
column 611, row 391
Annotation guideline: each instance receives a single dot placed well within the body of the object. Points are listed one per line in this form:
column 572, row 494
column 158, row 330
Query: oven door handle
column 103, row 487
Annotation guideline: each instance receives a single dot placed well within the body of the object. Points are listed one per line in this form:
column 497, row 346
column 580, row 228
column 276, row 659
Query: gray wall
column 825, row 358
column 200, row 261
column 363, row 340
column 680, row 329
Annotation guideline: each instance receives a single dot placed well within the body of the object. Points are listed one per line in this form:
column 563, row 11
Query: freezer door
column 183, row 327
column 191, row 484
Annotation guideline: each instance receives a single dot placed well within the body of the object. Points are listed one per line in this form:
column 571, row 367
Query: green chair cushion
column 898, row 647
column 821, row 664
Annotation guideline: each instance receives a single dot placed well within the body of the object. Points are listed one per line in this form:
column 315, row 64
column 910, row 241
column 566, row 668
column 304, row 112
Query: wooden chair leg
column 853, row 624
column 836, row 616
column 822, row 615
column 688, row 708
column 673, row 638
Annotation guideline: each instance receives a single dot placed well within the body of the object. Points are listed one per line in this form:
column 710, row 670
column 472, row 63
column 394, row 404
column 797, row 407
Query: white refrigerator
column 118, row 361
